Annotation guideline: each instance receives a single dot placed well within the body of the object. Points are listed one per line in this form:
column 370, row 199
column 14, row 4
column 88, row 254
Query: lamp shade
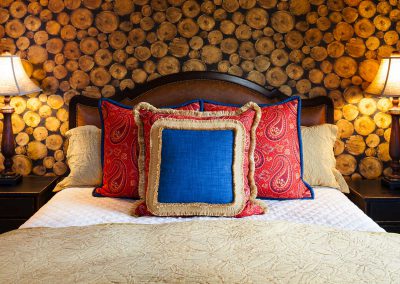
column 387, row 79
column 13, row 79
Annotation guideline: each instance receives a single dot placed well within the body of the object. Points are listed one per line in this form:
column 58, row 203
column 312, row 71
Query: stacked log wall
column 304, row 47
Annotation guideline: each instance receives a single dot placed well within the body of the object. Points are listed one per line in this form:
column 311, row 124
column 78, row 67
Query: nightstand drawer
column 17, row 207
column 10, row 224
column 386, row 210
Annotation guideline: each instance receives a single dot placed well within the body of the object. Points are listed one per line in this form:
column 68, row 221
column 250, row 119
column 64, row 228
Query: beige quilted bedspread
column 231, row 251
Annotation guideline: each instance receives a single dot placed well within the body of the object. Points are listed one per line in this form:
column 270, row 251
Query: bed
column 76, row 237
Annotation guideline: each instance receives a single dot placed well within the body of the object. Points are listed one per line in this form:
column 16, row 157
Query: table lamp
column 387, row 84
column 13, row 82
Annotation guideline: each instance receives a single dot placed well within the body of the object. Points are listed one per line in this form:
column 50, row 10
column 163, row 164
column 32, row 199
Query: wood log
column 168, row 65
column 364, row 125
column 39, row 170
column 17, row 122
column 316, row 76
column 243, row 32
column 276, row 77
column 99, row 76
column 346, row 164
column 367, row 106
column 364, row 28
column 22, row 165
column 173, row 14
column 262, row 63
column 264, row 45
column 257, row 18
column 370, row 167
column 82, row 18
column 345, row 66
column 54, row 142
column 350, row 14
column 59, row 155
column 382, row 120
column 367, row 9
column 313, row 37
column 368, row 69
column 188, row 28
column 355, row 145
column 22, row 139
column 52, row 123
column 294, row 40
column 247, row 50
column 299, row 7
column 338, row 147
column 294, row 71
column 382, row 23
column 36, row 150
column 19, row 104
column 210, row 55
column 60, row 168
column 106, row 21
column 279, row 57
column 178, row 47
column 45, row 111
column 331, row 81
column 194, row 65
column 343, row 31
column 31, row 118
column 350, row 112
column 48, row 162
column 345, row 128
column 103, row 57
column 142, row 53
column 282, row 21
column 384, row 104
column 383, row 152
column 372, row 140
column 18, row 9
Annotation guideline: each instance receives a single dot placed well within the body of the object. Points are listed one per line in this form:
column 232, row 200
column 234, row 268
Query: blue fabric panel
column 196, row 166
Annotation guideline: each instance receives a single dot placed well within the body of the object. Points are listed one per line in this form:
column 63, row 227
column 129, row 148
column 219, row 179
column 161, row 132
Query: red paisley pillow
column 120, row 149
column 248, row 116
column 278, row 156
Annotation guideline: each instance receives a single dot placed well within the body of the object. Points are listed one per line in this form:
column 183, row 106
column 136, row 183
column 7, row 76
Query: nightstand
column 378, row 202
column 18, row 203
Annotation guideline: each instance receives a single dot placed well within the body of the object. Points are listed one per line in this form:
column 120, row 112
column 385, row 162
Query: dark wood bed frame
column 178, row 88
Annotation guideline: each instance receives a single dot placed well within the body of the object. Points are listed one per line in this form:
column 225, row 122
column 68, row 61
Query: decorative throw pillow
column 318, row 157
column 120, row 149
column 278, row 155
column 83, row 158
column 197, row 163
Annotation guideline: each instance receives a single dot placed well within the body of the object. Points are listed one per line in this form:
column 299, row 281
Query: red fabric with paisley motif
column 121, row 150
column 148, row 118
column 277, row 154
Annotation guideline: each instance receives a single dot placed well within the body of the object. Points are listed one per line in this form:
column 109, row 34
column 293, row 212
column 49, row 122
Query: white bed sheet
column 77, row 207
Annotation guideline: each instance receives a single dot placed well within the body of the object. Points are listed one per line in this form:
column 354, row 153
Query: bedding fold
column 218, row 251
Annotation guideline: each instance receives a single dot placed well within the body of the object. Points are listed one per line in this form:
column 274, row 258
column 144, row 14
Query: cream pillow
column 83, row 158
column 318, row 158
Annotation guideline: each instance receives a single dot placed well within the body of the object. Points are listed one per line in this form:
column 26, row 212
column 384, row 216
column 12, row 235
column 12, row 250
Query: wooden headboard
column 178, row 88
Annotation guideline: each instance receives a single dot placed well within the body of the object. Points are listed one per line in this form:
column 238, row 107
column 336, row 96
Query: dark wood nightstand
column 378, row 202
column 18, row 203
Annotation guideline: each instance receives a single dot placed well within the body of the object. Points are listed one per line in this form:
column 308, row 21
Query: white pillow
column 319, row 163
column 83, row 158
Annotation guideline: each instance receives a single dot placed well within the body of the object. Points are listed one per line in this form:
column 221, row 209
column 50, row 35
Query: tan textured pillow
column 318, row 158
column 83, row 157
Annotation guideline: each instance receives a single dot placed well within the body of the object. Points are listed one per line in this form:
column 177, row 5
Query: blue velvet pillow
column 190, row 161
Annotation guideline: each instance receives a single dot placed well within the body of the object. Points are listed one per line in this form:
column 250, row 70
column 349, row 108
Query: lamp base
column 391, row 183
column 10, row 178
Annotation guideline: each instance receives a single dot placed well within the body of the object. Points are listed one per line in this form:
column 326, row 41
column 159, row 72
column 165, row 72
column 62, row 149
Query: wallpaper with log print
column 94, row 47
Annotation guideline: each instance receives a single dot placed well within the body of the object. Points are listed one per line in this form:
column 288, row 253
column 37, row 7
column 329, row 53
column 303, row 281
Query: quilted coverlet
column 230, row 251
